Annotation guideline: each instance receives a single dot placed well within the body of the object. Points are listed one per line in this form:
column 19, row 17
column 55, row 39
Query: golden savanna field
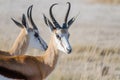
column 95, row 36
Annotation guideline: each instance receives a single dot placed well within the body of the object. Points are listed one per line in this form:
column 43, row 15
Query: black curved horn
column 29, row 15
column 52, row 17
column 66, row 17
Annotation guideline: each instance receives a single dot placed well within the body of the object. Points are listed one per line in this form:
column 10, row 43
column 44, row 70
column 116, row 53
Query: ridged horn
column 66, row 17
column 29, row 15
column 52, row 17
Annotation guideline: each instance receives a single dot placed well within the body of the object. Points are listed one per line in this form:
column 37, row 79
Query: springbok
column 27, row 37
column 39, row 67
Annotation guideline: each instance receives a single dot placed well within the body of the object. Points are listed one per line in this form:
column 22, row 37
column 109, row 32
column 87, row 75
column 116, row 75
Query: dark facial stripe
column 41, row 44
column 11, row 73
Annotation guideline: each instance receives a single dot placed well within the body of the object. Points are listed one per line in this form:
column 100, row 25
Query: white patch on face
column 63, row 43
column 36, row 41
column 4, row 78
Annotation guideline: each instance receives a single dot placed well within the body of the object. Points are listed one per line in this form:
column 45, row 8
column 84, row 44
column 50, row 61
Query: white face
column 35, row 40
column 62, row 40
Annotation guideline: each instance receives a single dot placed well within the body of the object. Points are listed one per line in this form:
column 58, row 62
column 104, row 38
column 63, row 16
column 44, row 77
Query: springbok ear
column 17, row 23
column 48, row 23
column 24, row 21
column 71, row 21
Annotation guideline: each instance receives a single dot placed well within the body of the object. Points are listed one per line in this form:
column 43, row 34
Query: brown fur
column 33, row 68
column 15, row 75
column 4, row 53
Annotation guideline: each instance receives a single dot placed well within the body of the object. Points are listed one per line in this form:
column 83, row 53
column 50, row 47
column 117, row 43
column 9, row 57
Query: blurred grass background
column 94, row 36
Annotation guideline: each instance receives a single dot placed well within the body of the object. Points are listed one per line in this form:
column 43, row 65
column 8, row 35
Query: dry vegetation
column 105, row 1
column 89, row 63
column 95, row 37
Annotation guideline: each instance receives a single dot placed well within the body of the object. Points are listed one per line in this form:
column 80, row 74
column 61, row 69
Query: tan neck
column 51, row 55
column 41, row 66
column 21, row 44
column 50, row 58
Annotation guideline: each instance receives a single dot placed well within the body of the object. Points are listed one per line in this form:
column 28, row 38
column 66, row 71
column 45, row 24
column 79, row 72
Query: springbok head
column 35, row 39
column 61, row 34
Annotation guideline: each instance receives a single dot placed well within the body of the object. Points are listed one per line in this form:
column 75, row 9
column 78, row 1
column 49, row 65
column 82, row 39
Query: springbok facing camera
column 39, row 67
column 27, row 37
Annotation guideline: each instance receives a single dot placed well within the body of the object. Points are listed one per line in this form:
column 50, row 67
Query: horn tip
column 31, row 6
column 55, row 4
column 68, row 2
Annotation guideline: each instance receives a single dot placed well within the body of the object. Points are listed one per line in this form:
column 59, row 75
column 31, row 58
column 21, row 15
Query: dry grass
column 105, row 1
column 88, row 63
column 97, row 50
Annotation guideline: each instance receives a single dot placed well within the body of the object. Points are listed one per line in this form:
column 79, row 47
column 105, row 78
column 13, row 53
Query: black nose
column 69, row 50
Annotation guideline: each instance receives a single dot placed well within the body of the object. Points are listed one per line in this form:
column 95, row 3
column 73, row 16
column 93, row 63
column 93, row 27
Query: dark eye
column 36, row 35
column 58, row 36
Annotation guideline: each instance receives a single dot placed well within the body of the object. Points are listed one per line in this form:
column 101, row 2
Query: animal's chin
column 68, row 52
